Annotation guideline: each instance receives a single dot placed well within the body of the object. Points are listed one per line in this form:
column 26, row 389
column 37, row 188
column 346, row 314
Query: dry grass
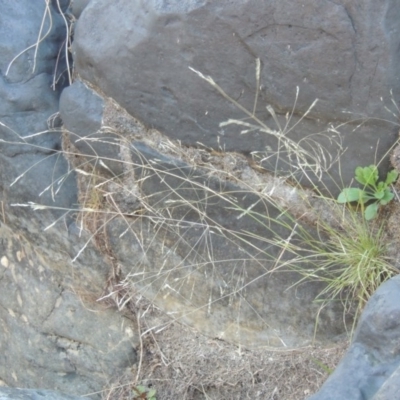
column 175, row 359
column 181, row 363
column 45, row 29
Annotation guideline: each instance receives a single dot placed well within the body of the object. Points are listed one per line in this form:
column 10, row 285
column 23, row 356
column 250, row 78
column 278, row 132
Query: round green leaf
column 371, row 211
column 351, row 194
column 388, row 196
column 367, row 175
column 379, row 195
column 391, row 177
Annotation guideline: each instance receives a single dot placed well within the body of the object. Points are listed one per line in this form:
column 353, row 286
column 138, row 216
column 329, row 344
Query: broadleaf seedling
column 373, row 192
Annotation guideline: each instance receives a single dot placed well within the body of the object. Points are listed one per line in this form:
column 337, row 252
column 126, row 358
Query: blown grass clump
column 350, row 258
column 350, row 254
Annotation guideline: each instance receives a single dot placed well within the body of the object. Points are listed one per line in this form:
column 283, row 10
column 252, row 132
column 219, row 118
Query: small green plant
column 145, row 393
column 323, row 366
column 378, row 193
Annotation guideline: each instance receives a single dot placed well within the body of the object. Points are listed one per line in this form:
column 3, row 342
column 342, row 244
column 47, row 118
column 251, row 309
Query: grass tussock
column 351, row 259
column 350, row 253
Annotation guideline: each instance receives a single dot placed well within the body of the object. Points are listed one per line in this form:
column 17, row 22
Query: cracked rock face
column 50, row 336
column 342, row 53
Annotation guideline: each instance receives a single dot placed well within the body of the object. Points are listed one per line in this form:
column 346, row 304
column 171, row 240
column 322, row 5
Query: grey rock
column 77, row 6
column 25, row 18
column 211, row 241
column 370, row 367
column 28, row 101
column 54, row 335
column 391, row 388
column 81, row 110
column 53, row 332
column 34, row 394
column 344, row 54
column 197, row 248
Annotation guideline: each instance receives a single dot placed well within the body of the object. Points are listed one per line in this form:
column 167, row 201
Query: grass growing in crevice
column 336, row 249
column 352, row 262
column 350, row 254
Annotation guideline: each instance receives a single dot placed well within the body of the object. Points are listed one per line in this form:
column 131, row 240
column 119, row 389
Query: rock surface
column 77, row 6
column 139, row 53
column 52, row 332
column 189, row 252
column 370, row 369
column 34, row 394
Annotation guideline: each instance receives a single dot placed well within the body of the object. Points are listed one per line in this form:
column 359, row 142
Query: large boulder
column 139, row 53
column 370, row 368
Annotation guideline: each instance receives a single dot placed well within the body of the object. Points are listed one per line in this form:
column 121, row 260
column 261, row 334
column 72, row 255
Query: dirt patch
column 181, row 363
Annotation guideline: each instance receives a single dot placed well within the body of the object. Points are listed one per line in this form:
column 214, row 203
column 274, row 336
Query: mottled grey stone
column 369, row 369
column 34, row 394
column 343, row 53
column 391, row 388
column 192, row 222
column 77, row 6
column 52, row 336
column 203, row 259
column 81, row 110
